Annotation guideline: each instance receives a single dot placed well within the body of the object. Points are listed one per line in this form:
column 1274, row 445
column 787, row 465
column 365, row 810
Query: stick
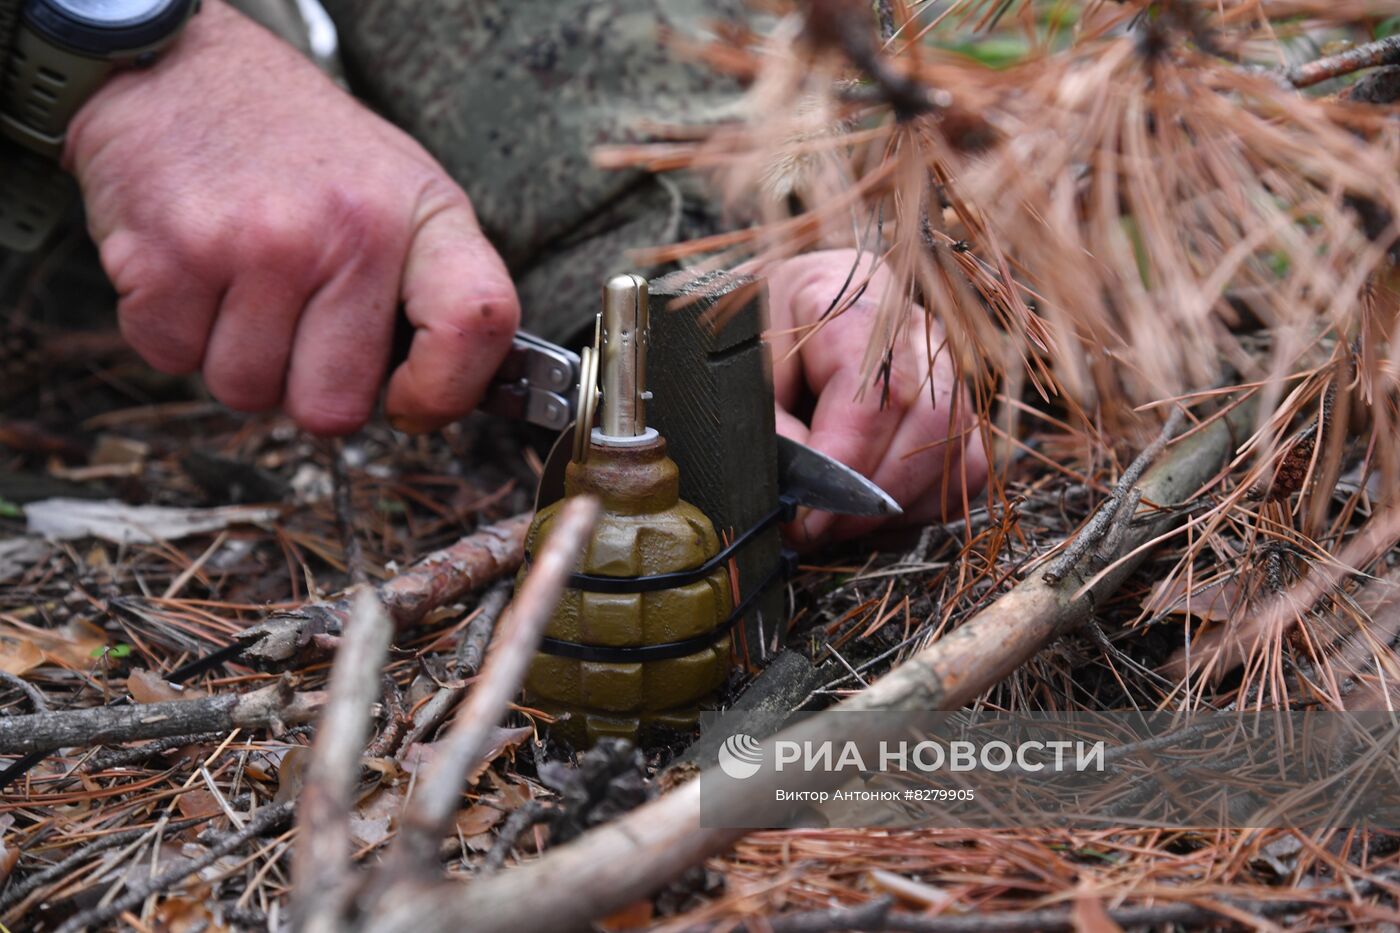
column 321, row 865
column 31, row 692
column 1099, row 525
column 426, row 818
column 274, row 707
column 469, row 654
column 624, row 860
column 289, row 637
column 268, row 818
column 1381, row 52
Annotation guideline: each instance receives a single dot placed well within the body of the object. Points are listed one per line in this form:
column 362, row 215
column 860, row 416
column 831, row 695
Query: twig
column 470, row 652
column 273, row 706
column 624, row 860
column 472, row 649
column 321, row 860
column 345, row 517
column 1370, row 55
column 426, row 818
column 395, row 719
column 531, row 813
column 290, row 637
column 1099, row 525
column 268, row 818
column 122, row 757
column 19, row 890
column 31, row 692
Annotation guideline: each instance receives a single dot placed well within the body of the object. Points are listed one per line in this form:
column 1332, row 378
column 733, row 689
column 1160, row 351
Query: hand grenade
column 640, row 640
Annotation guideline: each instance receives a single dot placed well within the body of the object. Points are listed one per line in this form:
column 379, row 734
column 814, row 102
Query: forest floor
column 89, row 622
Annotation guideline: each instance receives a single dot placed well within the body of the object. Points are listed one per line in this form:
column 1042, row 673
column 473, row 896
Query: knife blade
column 823, row 483
column 809, row 477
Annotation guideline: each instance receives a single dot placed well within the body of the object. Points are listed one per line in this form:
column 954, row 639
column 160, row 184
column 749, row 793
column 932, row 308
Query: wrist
column 198, row 62
column 62, row 52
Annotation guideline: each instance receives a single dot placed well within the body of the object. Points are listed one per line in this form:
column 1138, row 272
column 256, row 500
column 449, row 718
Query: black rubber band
column 596, row 583
column 666, row 651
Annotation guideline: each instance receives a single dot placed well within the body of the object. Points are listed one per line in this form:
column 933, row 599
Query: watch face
column 111, row 12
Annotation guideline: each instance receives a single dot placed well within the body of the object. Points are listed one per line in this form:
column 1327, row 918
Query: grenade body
column 645, row 529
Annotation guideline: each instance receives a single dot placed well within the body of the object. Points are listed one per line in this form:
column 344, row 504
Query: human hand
column 911, row 447
column 263, row 227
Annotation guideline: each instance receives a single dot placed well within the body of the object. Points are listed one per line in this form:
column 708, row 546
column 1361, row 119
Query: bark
column 273, row 707
column 295, row 637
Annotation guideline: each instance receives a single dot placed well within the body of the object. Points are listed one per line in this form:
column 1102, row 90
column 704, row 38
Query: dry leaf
column 75, row 646
column 18, row 656
column 120, row 523
column 291, row 774
column 502, row 740
column 147, row 687
column 476, row 820
column 198, row 803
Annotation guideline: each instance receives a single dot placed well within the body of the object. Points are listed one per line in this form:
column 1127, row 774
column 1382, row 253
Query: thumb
column 459, row 298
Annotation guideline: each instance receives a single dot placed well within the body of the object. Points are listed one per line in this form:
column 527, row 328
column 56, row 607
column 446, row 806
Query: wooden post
column 711, row 378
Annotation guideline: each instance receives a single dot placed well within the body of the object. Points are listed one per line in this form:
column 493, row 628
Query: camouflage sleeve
column 512, row 95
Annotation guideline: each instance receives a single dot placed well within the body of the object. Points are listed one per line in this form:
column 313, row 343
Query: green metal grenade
column 645, row 529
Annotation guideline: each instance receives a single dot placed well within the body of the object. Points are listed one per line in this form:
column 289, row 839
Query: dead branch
column 272, row 707
column 321, row 861
column 470, row 651
column 31, row 692
column 1370, row 55
column 429, row 813
column 627, row 859
column 265, row 820
column 290, row 637
column 1099, row 526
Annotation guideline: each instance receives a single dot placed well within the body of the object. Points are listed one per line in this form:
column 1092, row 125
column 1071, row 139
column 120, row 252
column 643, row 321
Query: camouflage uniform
column 512, row 95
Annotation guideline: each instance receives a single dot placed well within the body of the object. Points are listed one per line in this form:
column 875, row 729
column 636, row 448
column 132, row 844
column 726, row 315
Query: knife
column 538, row 383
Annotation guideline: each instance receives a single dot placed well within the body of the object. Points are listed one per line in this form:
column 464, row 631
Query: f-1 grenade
column 639, row 642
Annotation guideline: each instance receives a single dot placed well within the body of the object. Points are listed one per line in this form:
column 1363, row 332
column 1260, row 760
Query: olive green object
column 645, row 529
column 586, row 674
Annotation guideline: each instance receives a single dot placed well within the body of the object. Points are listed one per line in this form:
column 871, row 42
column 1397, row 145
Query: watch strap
column 35, row 195
column 44, row 87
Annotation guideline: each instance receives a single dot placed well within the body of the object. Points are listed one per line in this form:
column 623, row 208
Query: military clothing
column 512, row 96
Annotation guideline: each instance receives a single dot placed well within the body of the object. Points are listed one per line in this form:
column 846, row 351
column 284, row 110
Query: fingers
column 342, row 349
column 911, row 440
column 163, row 313
column 933, row 458
column 245, row 363
column 460, row 300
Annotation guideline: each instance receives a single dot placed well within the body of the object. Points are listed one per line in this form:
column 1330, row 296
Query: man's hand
column 910, row 446
column 263, row 227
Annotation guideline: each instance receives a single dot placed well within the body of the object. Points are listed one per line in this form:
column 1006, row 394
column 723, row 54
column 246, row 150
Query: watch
column 61, row 52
